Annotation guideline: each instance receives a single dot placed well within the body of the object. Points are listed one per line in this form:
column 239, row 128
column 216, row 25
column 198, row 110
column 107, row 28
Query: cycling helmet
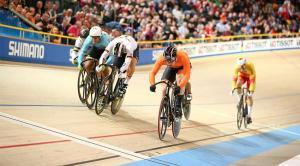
column 84, row 33
column 95, row 31
column 119, row 49
column 170, row 54
column 241, row 61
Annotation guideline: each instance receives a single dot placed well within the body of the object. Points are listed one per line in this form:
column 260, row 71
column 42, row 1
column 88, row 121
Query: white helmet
column 95, row 31
column 241, row 61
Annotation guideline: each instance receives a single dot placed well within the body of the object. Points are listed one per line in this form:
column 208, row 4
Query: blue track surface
column 230, row 152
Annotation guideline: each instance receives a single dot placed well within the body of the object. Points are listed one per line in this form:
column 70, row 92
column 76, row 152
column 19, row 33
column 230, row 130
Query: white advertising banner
column 207, row 49
column 270, row 44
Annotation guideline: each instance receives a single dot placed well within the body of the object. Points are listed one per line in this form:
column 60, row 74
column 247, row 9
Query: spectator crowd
column 154, row 20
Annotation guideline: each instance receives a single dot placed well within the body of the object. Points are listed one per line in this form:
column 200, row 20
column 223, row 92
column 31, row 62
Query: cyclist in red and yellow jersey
column 178, row 64
column 244, row 72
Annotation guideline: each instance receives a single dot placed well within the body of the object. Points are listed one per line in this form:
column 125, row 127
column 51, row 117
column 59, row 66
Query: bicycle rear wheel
column 91, row 90
column 176, row 126
column 163, row 118
column 245, row 110
column 186, row 105
column 81, row 81
column 240, row 113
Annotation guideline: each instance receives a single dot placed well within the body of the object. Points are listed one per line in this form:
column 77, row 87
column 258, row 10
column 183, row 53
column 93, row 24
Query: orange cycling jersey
column 182, row 62
column 247, row 74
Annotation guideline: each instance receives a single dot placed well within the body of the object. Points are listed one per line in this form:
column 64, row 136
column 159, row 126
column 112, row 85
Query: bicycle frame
column 170, row 97
column 166, row 116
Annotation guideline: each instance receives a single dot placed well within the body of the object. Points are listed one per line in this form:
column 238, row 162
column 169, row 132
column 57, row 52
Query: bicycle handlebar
column 107, row 65
column 89, row 59
column 239, row 88
column 168, row 83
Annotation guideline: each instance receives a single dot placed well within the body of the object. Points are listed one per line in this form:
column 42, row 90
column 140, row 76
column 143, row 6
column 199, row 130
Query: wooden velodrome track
column 42, row 121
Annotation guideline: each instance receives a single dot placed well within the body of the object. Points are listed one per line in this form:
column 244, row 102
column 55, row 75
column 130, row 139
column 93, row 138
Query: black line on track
column 168, row 146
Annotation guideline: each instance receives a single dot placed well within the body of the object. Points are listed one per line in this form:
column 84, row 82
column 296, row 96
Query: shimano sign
column 28, row 50
column 22, row 50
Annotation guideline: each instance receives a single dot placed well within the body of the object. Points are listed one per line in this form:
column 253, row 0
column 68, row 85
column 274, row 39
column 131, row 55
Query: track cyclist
column 93, row 47
column 84, row 33
column 125, row 56
column 244, row 73
column 179, row 69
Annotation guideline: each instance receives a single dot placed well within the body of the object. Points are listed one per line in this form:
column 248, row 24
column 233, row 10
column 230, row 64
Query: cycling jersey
column 130, row 45
column 123, row 60
column 78, row 43
column 246, row 75
column 182, row 63
column 104, row 41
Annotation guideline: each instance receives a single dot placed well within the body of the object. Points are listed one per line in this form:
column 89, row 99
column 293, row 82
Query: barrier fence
column 43, row 52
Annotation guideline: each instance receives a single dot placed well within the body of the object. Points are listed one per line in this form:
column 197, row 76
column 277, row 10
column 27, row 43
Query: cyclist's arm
column 106, row 52
column 252, row 78
column 235, row 77
column 127, row 60
column 155, row 69
column 84, row 48
column 186, row 70
column 78, row 44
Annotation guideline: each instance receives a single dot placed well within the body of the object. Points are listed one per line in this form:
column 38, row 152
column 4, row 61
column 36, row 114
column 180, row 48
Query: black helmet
column 84, row 33
column 170, row 54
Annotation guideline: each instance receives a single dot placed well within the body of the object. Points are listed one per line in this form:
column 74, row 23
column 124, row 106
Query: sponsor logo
column 28, row 50
column 156, row 53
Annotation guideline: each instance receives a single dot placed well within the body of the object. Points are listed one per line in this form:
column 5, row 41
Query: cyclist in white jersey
column 78, row 44
column 126, row 54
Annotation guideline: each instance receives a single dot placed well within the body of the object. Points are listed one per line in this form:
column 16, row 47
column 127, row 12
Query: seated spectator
column 3, row 3
column 74, row 30
column 55, row 39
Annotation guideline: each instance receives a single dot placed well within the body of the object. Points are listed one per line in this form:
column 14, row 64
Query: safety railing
column 42, row 36
column 45, row 37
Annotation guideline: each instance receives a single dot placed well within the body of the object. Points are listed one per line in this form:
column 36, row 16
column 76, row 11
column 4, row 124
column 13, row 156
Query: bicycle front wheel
column 117, row 99
column 239, row 114
column 163, row 118
column 81, row 81
column 91, row 90
column 101, row 98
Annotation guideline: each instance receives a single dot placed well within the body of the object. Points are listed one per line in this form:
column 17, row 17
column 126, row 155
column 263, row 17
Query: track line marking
column 293, row 161
column 76, row 138
column 258, row 124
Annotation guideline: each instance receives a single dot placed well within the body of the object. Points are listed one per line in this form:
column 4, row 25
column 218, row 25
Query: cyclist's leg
column 189, row 88
column 249, row 103
column 131, row 69
column 132, row 65
column 118, row 62
column 179, row 97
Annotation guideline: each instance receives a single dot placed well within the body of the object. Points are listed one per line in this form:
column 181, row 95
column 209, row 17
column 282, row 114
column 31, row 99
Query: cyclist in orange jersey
column 244, row 73
column 178, row 64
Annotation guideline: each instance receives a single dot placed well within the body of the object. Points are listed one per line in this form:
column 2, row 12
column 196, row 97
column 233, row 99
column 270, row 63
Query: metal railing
column 150, row 44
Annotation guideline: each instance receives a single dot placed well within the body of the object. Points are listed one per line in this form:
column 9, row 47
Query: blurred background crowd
column 154, row 20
